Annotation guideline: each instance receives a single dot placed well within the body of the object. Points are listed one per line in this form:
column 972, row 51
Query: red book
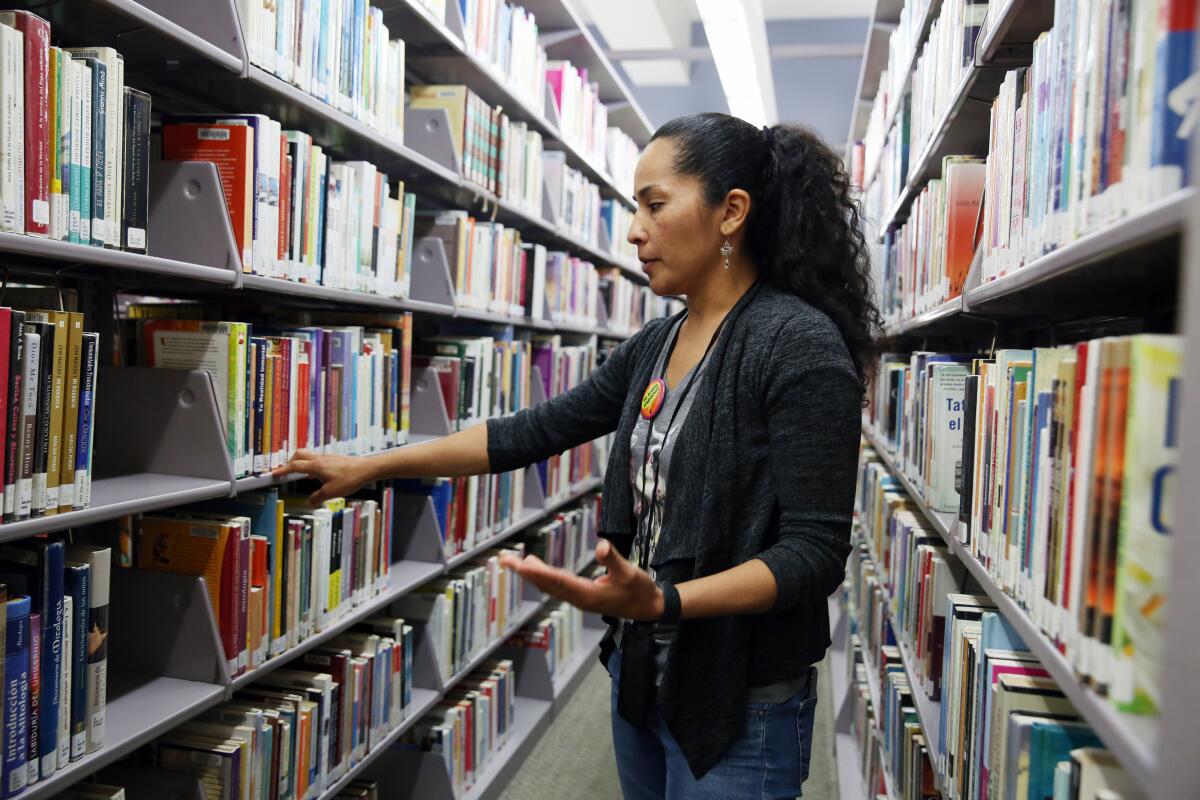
column 231, row 603
column 289, row 358
column 231, row 149
column 277, row 397
column 36, row 32
column 243, row 589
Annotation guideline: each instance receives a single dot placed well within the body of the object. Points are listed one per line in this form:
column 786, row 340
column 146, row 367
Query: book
column 27, row 444
column 35, row 33
column 77, row 586
column 12, row 129
column 16, row 696
column 135, row 191
column 99, row 561
column 231, row 149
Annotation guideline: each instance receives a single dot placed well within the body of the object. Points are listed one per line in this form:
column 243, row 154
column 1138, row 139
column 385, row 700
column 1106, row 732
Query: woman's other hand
column 625, row 591
column 339, row 475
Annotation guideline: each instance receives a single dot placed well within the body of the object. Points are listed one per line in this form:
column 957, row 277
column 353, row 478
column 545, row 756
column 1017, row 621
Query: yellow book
column 70, row 418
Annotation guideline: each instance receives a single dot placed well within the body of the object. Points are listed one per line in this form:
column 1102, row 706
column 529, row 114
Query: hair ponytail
column 804, row 230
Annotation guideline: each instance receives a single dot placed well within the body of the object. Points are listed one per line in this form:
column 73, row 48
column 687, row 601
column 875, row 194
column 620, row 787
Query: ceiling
column 815, row 46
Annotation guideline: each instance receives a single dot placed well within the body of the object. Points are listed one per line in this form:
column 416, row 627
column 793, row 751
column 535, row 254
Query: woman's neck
column 708, row 303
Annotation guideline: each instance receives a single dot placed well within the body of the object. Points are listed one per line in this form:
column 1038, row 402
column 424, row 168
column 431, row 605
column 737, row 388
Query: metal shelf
column 139, row 709
column 850, row 782
column 153, row 33
column 565, row 681
column 117, row 496
column 38, row 250
column 1132, row 739
column 435, row 53
column 529, row 609
column 938, row 313
column 1016, row 23
column 1148, row 225
column 931, row 13
column 423, row 701
column 406, row 576
column 962, row 129
column 531, row 717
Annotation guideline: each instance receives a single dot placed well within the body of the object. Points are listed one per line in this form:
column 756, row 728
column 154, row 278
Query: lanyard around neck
column 643, row 531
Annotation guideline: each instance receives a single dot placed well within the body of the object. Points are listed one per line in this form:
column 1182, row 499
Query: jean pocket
column 805, row 717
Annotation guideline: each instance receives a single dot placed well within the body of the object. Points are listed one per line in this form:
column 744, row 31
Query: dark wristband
column 672, row 607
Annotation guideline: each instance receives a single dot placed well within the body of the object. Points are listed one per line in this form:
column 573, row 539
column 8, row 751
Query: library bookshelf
column 1098, row 273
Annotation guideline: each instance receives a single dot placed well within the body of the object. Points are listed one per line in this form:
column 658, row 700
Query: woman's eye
column 655, row 207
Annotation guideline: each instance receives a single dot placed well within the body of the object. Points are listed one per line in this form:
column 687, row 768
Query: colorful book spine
column 16, row 696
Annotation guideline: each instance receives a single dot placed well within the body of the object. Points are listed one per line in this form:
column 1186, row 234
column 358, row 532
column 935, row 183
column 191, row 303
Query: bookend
column 188, row 218
column 454, row 21
column 533, row 671
column 428, row 414
column 173, row 636
column 431, row 281
column 427, row 130
column 552, row 111
column 215, row 21
column 418, row 534
column 551, row 192
column 426, row 674
column 602, row 313
column 603, row 240
column 160, row 421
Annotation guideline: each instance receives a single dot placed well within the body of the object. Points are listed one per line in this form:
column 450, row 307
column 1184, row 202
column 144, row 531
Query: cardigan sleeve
column 813, row 408
column 589, row 411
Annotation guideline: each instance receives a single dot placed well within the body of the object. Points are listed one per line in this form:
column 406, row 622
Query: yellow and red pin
column 652, row 398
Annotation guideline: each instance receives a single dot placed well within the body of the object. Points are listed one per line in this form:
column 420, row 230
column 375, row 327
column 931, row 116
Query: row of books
column 903, row 43
column 574, row 200
column 505, row 36
column 464, row 613
column 333, row 389
column 568, row 540
column 615, row 221
column 557, row 632
column 894, row 752
column 339, row 51
column 1091, row 131
column 1062, row 460
column 946, row 57
column 74, row 140
column 55, row 655
column 999, row 734
column 582, row 115
column 471, row 724
column 295, row 213
column 631, row 305
column 469, row 510
column 623, row 156
column 277, row 572
column 48, row 377
column 926, row 260
column 298, row 730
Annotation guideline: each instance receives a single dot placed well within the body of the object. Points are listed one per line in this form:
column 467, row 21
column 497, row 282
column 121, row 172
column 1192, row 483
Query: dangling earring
column 727, row 251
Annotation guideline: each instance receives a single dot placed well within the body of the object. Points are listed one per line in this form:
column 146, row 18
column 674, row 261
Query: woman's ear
column 737, row 209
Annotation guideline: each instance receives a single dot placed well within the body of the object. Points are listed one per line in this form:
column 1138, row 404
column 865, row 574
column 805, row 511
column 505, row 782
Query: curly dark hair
column 804, row 230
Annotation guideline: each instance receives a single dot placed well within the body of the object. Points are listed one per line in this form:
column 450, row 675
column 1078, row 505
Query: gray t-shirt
column 653, row 433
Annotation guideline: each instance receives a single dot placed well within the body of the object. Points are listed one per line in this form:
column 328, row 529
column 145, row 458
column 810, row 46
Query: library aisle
column 260, row 257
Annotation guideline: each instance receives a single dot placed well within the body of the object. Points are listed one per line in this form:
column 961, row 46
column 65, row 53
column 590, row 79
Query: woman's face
column 676, row 232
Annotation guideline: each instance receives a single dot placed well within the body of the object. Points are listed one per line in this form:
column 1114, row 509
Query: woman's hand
column 339, row 475
column 625, row 591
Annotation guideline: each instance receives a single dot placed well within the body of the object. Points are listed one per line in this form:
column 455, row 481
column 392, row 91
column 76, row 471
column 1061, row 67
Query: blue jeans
column 769, row 758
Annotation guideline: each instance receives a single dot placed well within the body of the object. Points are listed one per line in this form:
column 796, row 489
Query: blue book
column 1173, row 66
column 1050, row 742
column 77, row 580
column 440, row 490
column 42, row 563
column 16, row 696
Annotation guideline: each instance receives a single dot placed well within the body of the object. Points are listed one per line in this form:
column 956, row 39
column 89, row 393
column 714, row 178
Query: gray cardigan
column 764, row 467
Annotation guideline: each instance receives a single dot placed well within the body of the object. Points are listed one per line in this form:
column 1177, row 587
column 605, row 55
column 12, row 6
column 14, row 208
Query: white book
column 100, row 560
column 12, row 130
column 26, row 442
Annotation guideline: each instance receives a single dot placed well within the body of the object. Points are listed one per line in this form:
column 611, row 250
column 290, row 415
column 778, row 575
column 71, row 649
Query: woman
column 740, row 418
